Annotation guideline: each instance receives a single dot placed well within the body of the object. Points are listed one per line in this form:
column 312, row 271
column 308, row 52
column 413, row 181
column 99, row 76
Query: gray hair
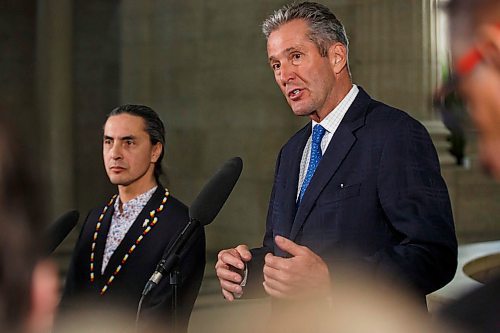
column 325, row 28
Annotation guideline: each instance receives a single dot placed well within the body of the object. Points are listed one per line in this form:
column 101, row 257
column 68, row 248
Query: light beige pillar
column 137, row 62
column 54, row 60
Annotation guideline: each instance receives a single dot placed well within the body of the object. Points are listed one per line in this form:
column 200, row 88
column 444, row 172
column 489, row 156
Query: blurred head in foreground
column 28, row 283
column 358, row 305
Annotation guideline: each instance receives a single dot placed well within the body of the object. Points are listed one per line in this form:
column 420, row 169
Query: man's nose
column 115, row 152
column 287, row 73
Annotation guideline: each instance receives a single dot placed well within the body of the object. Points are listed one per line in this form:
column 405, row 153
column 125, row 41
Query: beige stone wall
column 202, row 66
column 391, row 51
column 54, row 99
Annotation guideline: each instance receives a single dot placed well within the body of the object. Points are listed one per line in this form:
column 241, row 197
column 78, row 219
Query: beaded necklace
column 148, row 224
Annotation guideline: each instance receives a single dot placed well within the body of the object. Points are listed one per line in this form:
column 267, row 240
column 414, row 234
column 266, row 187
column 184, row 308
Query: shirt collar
column 333, row 119
column 141, row 199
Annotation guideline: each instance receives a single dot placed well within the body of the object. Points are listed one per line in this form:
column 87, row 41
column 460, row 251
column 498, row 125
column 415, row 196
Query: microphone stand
column 175, row 278
column 170, row 264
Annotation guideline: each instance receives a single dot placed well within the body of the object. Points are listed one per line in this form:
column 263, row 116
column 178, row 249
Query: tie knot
column 318, row 132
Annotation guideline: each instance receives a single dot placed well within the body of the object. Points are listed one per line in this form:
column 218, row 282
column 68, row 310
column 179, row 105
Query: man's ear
column 155, row 155
column 489, row 35
column 337, row 54
column 44, row 297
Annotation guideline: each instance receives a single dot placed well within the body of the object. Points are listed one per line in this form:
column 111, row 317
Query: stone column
column 54, row 94
column 137, row 52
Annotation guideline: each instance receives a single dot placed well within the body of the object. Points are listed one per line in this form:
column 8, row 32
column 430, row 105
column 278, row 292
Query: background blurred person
column 28, row 282
column 475, row 41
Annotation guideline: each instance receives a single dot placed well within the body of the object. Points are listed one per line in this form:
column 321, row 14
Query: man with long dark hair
column 123, row 240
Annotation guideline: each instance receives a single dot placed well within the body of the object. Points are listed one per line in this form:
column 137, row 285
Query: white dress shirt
column 330, row 123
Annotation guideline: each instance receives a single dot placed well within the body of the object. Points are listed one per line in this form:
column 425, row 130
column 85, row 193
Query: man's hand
column 229, row 261
column 304, row 274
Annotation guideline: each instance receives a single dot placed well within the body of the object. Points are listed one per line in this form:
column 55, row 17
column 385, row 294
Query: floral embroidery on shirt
column 122, row 221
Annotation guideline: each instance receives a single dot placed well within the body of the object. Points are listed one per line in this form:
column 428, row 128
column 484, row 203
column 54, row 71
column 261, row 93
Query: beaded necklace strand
column 148, row 224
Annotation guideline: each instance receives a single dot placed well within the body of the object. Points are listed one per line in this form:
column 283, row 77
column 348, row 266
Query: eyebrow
column 123, row 138
column 286, row 51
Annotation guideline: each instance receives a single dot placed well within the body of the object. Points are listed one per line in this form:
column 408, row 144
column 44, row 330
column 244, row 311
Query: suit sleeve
column 415, row 200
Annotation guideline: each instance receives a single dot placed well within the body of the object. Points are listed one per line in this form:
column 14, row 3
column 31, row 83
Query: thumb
column 289, row 246
column 244, row 252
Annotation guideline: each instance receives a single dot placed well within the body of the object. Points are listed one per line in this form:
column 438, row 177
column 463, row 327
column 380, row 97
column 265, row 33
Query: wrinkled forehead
column 293, row 34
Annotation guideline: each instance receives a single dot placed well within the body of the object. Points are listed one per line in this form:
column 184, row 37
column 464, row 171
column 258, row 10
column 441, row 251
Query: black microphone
column 203, row 210
column 57, row 231
column 214, row 194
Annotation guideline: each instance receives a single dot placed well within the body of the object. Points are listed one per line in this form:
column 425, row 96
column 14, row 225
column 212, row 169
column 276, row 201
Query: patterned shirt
column 331, row 122
column 122, row 221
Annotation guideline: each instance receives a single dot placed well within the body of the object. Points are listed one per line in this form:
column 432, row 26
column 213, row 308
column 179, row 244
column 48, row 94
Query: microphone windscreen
column 214, row 194
column 57, row 231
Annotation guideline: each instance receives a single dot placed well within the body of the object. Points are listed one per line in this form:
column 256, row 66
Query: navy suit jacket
column 125, row 291
column 377, row 197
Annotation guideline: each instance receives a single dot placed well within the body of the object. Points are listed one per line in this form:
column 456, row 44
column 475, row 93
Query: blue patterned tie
column 317, row 135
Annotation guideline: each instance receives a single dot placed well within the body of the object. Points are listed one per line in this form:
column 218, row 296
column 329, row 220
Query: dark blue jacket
column 377, row 197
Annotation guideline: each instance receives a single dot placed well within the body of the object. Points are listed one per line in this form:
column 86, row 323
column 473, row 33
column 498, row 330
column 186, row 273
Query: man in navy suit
column 360, row 183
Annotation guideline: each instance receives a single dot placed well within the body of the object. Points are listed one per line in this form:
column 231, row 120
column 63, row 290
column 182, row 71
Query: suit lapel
column 339, row 147
column 290, row 208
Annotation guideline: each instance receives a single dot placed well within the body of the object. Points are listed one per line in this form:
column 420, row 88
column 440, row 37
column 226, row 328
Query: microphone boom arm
column 171, row 258
column 203, row 210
